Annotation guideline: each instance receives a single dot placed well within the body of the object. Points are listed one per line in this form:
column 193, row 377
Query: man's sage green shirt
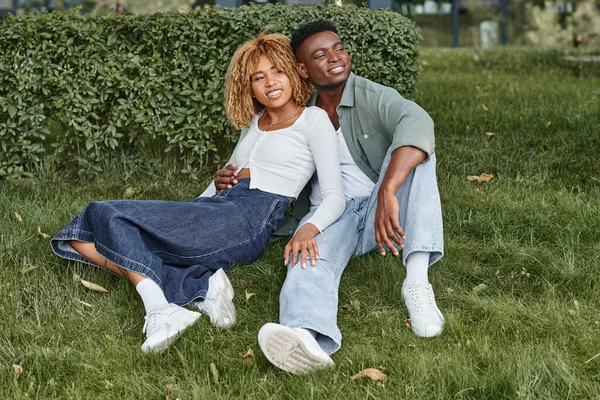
column 374, row 119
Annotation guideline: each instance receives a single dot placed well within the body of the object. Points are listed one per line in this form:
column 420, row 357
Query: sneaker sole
column 162, row 345
column 426, row 331
column 284, row 350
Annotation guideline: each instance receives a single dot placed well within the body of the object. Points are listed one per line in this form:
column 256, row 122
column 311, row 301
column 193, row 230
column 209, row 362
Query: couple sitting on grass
column 365, row 155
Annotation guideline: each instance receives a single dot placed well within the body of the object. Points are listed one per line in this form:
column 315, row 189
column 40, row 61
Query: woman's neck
column 278, row 115
column 280, row 118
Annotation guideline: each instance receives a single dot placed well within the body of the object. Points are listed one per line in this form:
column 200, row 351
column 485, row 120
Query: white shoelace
column 422, row 298
column 153, row 321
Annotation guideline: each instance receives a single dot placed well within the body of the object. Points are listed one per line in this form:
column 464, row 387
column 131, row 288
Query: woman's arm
column 323, row 143
column 217, row 184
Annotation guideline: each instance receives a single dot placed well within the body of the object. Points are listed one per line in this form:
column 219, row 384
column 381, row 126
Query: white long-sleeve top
column 282, row 161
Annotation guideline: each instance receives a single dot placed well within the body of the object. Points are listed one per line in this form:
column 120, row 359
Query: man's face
column 323, row 59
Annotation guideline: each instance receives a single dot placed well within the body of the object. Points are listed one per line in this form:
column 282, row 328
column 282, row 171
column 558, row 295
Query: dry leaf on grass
column 85, row 304
column 248, row 295
column 408, row 322
column 548, row 124
column 425, row 63
column 484, row 107
column 42, row 234
column 480, row 288
column 129, row 192
column 488, row 87
column 248, row 358
column 215, row 372
column 17, row 216
column 413, row 346
column 480, row 178
column 92, row 286
column 18, row 370
column 169, row 389
column 371, row 373
column 490, row 134
column 29, row 268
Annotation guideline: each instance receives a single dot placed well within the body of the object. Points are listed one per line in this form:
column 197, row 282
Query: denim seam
column 262, row 228
column 194, row 297
column 337, row 278
column 429, row 249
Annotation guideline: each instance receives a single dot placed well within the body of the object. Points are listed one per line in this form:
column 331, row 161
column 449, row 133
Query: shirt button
column 366, row 136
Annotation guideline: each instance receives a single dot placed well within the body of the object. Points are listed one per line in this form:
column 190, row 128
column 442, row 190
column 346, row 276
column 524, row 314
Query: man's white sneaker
column 425, row 316
column 218, row 303
column 164, row 324
column 292, row 349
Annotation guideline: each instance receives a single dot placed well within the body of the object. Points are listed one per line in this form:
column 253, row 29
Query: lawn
column 519, row 284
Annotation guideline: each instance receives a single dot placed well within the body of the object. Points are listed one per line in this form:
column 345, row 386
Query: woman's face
column 270, row 86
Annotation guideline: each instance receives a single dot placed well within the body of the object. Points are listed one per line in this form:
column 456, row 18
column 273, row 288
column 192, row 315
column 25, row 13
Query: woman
column 176, row 253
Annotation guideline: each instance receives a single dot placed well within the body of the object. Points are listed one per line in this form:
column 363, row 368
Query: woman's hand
column 303, row 242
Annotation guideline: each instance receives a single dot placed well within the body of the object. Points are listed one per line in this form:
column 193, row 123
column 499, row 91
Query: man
column 386, row 149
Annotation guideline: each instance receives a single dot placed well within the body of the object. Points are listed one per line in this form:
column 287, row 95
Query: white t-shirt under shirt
column 282, row 161
column 356, row 183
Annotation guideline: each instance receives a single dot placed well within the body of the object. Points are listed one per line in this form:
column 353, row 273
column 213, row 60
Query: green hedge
column 122, row 87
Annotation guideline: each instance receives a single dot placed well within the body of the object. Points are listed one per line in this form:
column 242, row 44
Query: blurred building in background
column 465, row 23
column 8, row 6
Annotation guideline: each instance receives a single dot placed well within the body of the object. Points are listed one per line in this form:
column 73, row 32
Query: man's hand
column 225, row 178
column 387, row 228
column 303, row 242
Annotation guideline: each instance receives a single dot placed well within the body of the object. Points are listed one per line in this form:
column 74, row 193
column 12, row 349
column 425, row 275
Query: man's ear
column 301, row 68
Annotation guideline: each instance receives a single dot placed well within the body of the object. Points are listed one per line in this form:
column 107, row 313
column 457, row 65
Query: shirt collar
column 347, row 95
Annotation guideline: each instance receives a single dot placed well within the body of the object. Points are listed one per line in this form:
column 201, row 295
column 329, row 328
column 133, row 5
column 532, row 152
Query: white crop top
column 282, row 161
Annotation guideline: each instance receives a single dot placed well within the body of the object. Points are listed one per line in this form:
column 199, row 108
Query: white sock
column 152, row 295
column 417, row 267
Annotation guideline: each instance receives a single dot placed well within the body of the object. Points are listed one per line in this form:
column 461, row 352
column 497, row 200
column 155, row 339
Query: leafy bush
column 119, row 87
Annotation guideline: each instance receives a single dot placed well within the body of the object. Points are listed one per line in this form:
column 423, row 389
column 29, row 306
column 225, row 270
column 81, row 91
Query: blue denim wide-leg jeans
column 179, row 245
column 309, row 297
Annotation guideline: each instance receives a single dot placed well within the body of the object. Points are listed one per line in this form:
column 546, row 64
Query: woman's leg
column 88, row 250
column 152, row 295
column 164, row 321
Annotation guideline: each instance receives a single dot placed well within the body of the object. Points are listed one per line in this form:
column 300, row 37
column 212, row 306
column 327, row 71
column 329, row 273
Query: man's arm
column 412, row 143
column 405, row 121
column 387, row 225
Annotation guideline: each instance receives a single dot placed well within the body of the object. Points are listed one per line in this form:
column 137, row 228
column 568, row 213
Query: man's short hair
column 309, row 29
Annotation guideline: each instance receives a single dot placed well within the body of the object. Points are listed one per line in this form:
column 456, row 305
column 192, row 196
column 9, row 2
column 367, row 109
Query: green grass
column 531, row 235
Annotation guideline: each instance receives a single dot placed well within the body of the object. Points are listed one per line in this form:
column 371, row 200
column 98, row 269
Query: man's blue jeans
column 309, row 297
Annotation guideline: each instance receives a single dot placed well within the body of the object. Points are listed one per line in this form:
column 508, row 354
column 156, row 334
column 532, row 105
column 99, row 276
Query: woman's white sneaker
column 218, row 302
column 292, row 349
column 164, row 324
column 425, row 316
